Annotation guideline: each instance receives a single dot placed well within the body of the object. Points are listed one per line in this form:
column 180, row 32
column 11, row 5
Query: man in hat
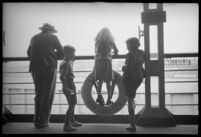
column 43, row 52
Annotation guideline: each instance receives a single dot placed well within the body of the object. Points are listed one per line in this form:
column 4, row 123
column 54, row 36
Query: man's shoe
column 76, row 124
column 68, row 128
column 131, row 128
column 41, row 125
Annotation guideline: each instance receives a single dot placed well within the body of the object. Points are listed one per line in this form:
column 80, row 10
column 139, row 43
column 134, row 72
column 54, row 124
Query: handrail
column 115, row 70
column 79, row 92
column 84, row 104
column 138, row 104
column 6, row 59
column 167, row 55
column 187, row 81
column 174, row 55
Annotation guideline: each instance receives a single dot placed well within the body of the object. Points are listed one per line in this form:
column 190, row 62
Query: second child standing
column 68, row 87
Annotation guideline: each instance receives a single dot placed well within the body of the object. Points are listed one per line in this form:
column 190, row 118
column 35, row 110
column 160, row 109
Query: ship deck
column 96, row 128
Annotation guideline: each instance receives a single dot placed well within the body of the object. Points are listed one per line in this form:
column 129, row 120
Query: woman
column 103, row 63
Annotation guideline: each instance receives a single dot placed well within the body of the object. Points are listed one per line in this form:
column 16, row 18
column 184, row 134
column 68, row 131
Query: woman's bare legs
column 109, row 93
column 99, row 88
column 100, row 99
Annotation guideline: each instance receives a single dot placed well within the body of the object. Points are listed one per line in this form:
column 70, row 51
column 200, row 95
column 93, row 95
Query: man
column 43, row 52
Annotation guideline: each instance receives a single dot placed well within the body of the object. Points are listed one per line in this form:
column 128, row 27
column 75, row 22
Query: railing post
column 25, row 101
column 60, row 108
column 154, row 116
column 9, row 93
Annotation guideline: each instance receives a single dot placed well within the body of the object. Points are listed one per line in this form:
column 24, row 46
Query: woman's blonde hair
column 104, row 35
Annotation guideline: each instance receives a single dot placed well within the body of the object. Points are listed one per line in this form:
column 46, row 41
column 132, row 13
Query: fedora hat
column 48, row 26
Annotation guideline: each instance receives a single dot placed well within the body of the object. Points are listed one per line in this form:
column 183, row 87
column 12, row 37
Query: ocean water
column 18, row 88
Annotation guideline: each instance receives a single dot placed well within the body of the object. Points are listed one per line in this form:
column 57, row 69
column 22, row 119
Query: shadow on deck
column 95, row 128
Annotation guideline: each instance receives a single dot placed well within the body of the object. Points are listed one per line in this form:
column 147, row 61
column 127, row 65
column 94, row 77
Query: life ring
column 86, row 93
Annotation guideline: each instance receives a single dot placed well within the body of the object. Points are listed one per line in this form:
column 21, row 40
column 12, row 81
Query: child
column 69, row 89
column 133, row 76
column 103, row 63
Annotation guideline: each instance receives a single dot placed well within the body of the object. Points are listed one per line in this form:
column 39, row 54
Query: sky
column 79, row 23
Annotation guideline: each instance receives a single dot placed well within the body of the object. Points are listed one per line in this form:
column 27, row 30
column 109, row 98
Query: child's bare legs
column 100, row 99
column 109, row 93
column 74, row 122
column 69, row 115
column 99, row 88
column 131, row 111
column 70, row 121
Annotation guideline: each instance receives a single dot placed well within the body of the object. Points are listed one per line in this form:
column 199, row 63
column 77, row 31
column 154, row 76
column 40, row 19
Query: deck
column 96, row 128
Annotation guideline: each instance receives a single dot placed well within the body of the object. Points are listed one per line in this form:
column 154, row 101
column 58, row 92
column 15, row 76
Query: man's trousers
column 44, row 81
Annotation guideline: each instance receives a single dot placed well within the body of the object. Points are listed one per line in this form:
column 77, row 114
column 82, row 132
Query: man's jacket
column 43, row 51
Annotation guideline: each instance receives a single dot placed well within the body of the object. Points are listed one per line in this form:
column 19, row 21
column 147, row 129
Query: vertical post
column 161, row 58
column 60, row 106
column 25, row 101
column 158, row 116
column 147, row 66
column 161, row 61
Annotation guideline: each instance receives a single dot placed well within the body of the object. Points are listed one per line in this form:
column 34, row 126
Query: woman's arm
column 115, row 48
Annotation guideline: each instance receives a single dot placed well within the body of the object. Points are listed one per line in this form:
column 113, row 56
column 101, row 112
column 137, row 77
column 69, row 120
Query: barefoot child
column 133, row 76
column 103, row 63
column 68, row 87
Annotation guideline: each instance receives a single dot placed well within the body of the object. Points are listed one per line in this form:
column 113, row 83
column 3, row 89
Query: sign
column 153, row 16
column 178, row 62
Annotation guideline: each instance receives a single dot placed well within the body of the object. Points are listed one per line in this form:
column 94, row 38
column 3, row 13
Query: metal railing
column 170, row 55
column 183, row 55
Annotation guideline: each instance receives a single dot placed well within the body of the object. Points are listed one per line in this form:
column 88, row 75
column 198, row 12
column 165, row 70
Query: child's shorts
column 131, row 87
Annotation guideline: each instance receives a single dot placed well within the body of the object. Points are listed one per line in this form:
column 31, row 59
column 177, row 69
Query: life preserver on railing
column 86, row 93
